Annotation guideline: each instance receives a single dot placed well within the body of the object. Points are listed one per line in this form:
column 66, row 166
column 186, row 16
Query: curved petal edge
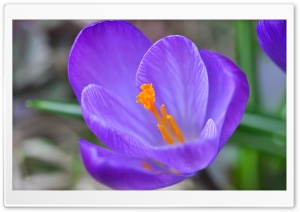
column 126, row 173
column 271, row 36
column 228, row 94
column 108, row 54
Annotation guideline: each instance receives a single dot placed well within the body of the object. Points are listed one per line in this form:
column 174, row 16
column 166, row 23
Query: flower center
column 166, row 123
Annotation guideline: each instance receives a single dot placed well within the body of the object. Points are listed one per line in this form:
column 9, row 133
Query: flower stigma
column 167, row 125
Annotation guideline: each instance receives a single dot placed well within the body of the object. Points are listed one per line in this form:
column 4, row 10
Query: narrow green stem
column 248, row 164
column 245, row 54
column 57, row 107
column 282, row 109
column 248, row 170
column 283, row 112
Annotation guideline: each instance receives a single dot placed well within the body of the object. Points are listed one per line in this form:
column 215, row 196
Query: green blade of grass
column 272, row 145
column 56, row 107
column 245, row 46
column 262, row 125
column 245, row 54
column 246, row 175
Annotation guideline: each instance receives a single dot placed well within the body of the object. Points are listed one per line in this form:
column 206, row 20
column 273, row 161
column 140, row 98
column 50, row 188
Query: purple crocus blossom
column 272, row 39
column 164, row 110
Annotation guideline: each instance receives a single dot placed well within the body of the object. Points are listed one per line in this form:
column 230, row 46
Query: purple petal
column 108, row 54
column 190, row 156
column 124, row 132
column 272, row 39
column 228, row 93
column 122, row 172
column 104, row 114
column 174, row 67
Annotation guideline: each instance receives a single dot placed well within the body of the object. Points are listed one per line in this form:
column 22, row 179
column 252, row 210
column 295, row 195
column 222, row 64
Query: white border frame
column 17, row 198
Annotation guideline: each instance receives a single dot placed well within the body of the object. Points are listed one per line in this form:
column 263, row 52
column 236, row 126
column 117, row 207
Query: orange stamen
column 165, row 134
column 166, row 123
column 147, row 98
column 164, row 113
column 175, row 128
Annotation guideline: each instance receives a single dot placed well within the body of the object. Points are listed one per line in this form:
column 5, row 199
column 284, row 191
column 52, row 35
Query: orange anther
column 147, row 96
column 166, row 123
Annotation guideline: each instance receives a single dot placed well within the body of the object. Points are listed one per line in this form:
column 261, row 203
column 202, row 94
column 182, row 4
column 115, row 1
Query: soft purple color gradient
column 163, row 66
column 114, row 49
column 204, row 91
column 121, row 172
column 272, row 39
column 115, row 126
column 228, row 94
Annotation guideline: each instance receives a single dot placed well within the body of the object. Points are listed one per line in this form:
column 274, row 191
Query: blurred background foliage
column 47, row 120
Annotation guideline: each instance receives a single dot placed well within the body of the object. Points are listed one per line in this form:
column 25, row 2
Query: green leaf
column 71, row 109
column 245, row 45
column 265, row 134
column 245, row 54
column 248, row 175
column 262, row 125
column 273, row 145
column 283, row 112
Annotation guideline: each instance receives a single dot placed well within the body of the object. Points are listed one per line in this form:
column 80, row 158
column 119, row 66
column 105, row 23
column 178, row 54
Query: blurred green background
column 47, row 121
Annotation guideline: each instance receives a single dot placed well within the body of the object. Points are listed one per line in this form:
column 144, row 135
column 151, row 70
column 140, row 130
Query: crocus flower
column 164, row 110
column 272, row 39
